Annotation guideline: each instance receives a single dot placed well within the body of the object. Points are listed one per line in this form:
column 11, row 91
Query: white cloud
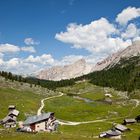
column 66, row 60
column 70, row 59
column 100, row 38
column 30, row 41
column 28, row 49
column 128, row 14
column 9, row 48
column 131, row 32
column 18, row 66
column 136, row 39
column 1, row 62
column 43, row 59
column 27, row 65
column 14, row 62
column 1, row 55
column 95, row 37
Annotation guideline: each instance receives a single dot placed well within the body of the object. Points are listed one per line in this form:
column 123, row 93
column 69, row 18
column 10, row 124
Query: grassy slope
column 71, row 109
column 25, row 101
column 68, row 108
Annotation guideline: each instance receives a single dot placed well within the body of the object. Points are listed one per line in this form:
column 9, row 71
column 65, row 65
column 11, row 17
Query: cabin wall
column 8, row 125
column 40, row 126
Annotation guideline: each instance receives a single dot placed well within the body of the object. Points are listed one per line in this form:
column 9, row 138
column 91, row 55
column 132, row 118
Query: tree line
column 34, row 81
column 123, row 76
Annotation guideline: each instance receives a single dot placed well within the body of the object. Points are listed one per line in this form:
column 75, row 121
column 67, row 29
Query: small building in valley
column 138, row 118
column 11, row 107
column 43, row 122
column 115, row 132
column 110, row 134
column 11, row 119
column 129, row 121
column 13, row 113
column 108, row 100
column 121, row 127
column 108, row 95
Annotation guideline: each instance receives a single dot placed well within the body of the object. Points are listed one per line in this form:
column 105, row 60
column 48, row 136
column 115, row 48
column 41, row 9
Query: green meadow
column 71, row 109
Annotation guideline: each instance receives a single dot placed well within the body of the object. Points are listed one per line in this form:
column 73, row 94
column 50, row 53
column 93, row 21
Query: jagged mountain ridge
column 112, row 60
column 80, row 67
column 57, row 73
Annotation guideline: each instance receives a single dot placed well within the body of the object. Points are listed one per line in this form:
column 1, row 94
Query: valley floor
column 88, row 117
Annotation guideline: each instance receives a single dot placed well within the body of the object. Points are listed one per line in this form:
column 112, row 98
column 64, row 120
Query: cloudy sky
column 36, row 34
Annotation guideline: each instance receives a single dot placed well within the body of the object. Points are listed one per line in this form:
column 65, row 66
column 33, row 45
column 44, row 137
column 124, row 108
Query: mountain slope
column 125, row 75
column 112, row 60
column 57, row 73
column 80, row 67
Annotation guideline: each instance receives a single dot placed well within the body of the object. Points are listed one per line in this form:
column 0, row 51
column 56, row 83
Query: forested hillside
column 34, row 81
column 123, row 76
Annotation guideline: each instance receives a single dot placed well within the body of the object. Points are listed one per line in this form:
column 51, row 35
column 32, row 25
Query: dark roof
column 37, row 118
column 130, row 120
column 113, row 132
column 138, row 117
column 8, row 118
column 13, row 112
column 121, row 127
column 12, row 106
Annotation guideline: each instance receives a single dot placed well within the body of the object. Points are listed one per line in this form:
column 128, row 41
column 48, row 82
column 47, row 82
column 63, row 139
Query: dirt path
column 42, row 102
column 137, row 102
column 64, row 122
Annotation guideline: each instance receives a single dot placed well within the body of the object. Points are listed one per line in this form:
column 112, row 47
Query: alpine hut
column 42, row 122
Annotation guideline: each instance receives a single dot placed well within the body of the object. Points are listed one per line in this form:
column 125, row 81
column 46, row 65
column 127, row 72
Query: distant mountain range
column 80, row 67
column 57, row 73
column 112, row 60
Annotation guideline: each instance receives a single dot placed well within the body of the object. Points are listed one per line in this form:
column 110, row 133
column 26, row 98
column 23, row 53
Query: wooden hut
column 121, row 127
column 110, row 134
column 9, row 121
column 43, row 122
column 138, row 118
column 11, row 107
column 129, row 121
column 13, row 113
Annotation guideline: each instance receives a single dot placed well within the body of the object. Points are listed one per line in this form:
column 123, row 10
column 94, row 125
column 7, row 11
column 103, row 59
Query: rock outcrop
column 57, row 73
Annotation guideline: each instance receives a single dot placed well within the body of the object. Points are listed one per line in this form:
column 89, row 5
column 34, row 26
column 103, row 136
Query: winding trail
column 64, row 122
column 137, row 102
column 42, row 102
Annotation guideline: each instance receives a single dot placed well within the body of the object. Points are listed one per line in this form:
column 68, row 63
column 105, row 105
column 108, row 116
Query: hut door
column 32, row 126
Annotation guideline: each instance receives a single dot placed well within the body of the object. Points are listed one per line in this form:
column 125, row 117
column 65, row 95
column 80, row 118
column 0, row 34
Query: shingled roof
column 8, row 118
column 121, row 128
column 37, row 118
column 129, row 121
column 13, row 112
column 113, row 132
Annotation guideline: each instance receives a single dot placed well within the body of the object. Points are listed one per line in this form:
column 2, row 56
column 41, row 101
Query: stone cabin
column 43, row 122
column 138, row 118
column 129, row 121
column 11, row 107
column 11, row 118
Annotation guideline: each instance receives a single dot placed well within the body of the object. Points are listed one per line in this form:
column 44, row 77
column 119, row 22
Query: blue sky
column 36, row 34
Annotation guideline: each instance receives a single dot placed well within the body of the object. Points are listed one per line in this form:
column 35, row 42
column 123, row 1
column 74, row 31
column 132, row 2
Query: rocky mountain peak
column 132, row 50
column 56, row 73
column 80, row 67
